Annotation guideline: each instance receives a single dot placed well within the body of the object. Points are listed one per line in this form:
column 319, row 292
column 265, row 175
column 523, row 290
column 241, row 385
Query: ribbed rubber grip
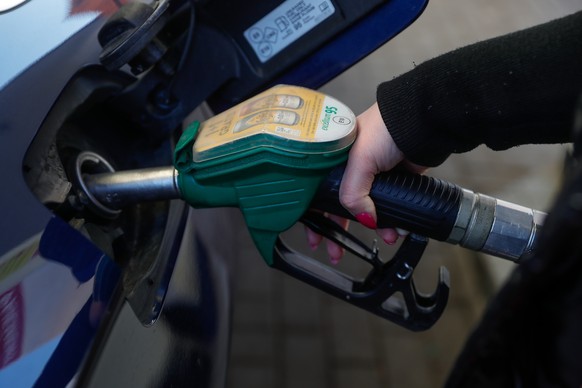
column 417, row 203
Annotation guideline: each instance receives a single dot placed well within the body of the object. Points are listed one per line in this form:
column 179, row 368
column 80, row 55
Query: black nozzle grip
column 417, row 203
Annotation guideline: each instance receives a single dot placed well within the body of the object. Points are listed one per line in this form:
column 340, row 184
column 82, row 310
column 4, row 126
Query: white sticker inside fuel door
column 285, row 24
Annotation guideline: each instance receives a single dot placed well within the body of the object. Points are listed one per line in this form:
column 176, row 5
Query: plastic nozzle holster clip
column 272, row 187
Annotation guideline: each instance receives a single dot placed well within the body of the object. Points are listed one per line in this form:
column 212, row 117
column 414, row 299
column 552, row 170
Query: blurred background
column 287, row 334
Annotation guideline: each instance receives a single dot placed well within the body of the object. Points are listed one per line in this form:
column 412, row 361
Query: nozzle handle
column 443, row 211
column 417, row 203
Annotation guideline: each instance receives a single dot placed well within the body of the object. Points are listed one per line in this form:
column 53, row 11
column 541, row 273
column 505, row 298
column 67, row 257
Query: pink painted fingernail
column 367, row 220
column 389, row 242
column 389, row 236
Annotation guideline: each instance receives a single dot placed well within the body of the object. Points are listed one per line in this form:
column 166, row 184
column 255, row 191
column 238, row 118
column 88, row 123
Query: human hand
column 374, row 151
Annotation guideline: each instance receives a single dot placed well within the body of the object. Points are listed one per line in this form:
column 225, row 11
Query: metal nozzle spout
column 118, row 189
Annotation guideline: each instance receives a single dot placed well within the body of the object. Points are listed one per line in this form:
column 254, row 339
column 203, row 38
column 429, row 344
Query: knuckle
column 350, row 200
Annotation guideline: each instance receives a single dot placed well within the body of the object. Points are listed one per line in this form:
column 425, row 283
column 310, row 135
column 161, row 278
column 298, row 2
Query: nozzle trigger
column 388, row 289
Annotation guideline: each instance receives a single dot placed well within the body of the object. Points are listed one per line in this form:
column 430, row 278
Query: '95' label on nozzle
column 285, row 24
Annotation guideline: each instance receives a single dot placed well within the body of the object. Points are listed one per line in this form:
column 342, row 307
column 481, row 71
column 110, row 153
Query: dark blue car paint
column 353, row 44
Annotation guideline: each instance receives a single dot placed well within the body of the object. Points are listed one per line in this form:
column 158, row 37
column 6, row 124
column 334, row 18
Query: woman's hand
column 374, row 151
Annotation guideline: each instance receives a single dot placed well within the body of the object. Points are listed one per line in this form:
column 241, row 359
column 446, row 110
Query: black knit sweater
column 519, row 88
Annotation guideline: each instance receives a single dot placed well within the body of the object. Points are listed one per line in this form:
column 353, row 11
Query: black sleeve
column 519, row 88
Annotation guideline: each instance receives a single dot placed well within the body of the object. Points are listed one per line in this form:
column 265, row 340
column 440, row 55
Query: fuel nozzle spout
column 106, row 191
column 495, row 227
column 119, row 189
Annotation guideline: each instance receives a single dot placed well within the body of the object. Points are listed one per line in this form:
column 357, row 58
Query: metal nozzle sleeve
column 118, row 189
column 495, row 227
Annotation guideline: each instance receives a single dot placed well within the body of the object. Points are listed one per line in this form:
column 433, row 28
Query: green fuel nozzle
column 266, row 156
column 271, row 194
column 281, row 154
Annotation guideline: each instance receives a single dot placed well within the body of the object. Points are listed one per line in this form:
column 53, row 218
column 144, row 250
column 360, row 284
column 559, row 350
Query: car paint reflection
column 56, row 288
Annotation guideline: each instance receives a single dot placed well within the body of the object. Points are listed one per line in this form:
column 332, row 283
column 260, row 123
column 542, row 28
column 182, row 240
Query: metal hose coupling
column 496, row 227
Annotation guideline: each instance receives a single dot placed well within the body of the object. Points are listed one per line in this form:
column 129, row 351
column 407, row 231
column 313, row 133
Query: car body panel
column 66, row 316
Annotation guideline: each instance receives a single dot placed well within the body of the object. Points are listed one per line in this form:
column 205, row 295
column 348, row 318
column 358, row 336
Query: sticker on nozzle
column 289, row 118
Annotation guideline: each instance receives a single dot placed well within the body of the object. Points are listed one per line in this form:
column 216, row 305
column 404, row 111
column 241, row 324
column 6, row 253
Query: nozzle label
column 285, row 24
column 284, row 117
